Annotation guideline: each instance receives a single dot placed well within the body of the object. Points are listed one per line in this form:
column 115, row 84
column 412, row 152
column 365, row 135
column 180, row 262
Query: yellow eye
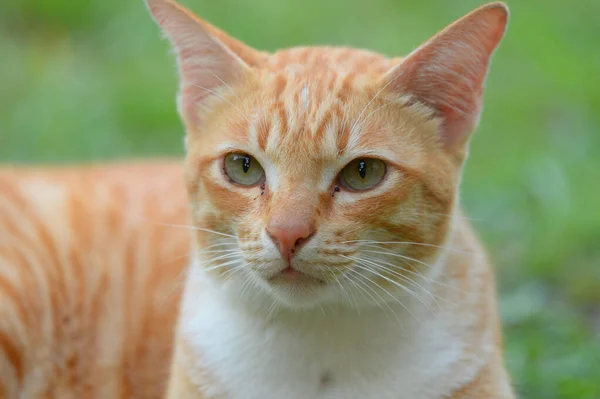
column 243, row 169
column 363, row 174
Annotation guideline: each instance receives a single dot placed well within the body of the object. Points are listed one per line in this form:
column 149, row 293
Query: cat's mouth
column 291, row 275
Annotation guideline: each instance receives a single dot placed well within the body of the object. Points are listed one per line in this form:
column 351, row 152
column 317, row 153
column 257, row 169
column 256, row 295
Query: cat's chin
column 294, row 278
column 301, row 291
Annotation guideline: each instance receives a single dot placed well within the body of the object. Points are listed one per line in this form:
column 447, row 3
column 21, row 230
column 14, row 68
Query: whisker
column 221, row 257
column 423, row 276
column 245, row 286
column 399, row 256
column 342, row 289
column 376, row 265
column 405, row 278
column 251, row 246
column 271, row 309
column 361, row 266
column 224, row 99
column 352, row 294
column 387, row 305
column 222, row 265
column 184, row 226
column 179, row 280
column 375, row 110
column 221, row 251
column 230, row 273
column 222, row 81
column 355, row 284
column 177, row 258
column 337, row 280
column 365, row 242
column 369, row 103
column 211, row 231
column 430, row 280
column 219, row 244
column 181, row 277
column 322, row 309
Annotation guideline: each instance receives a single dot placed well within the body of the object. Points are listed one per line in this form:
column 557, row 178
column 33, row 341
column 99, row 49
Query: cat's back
column 90, row 278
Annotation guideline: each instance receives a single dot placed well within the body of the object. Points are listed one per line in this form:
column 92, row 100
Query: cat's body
column 330, row 258
column 90, row 279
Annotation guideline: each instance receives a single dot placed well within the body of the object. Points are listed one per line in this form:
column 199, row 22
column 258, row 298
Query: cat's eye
column 363, row 174
column 243, row 169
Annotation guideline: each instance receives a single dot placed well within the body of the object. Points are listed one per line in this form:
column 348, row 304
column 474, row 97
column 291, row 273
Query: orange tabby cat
column 331, row 259
column 89, row 279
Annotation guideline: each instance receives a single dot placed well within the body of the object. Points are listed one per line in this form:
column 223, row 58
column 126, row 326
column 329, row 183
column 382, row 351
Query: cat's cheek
column 251, row 235
column 370, row 210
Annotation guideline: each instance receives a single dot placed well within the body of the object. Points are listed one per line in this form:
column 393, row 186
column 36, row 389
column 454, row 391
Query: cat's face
column 312, row 172
column 326, row 175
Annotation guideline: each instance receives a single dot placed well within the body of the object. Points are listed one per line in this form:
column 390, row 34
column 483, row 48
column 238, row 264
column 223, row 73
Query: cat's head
column 326, row 174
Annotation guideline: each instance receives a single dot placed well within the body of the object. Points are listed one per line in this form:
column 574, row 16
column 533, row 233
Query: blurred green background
column 89, row 80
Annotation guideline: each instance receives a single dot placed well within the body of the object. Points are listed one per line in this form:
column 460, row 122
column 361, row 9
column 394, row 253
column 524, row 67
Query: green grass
column 89, row 80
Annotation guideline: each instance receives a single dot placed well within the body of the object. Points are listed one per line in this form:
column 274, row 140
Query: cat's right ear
column 208, row 58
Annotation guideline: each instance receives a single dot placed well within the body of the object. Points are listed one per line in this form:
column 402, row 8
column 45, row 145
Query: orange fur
column 89, row 279
column 90, row 273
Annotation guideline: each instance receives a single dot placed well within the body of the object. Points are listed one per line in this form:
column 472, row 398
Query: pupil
column 246, row 164
column 362, row 168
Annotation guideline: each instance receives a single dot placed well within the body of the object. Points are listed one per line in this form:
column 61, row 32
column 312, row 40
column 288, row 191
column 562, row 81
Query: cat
column 330, row 257
column 91, row 269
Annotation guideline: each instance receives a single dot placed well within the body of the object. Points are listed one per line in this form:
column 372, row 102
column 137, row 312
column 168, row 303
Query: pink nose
column 289, row 236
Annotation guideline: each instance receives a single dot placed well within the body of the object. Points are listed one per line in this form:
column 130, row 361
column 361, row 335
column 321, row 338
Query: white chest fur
column 338, row 354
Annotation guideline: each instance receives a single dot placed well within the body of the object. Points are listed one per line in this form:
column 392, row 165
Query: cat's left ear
column 447, row 73
column 208, row 58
